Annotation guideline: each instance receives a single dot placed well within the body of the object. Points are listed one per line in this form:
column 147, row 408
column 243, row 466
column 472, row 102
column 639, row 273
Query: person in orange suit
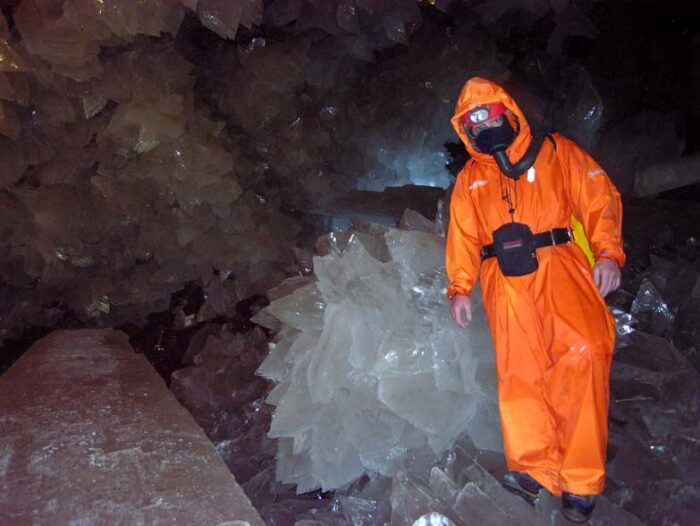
column 511, row 212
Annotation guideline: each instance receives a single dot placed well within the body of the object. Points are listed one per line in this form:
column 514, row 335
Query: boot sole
column 578, row 519
column 530, row 498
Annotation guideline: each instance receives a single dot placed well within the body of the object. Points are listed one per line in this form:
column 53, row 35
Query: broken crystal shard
column 682, row 498
column 548, row 513
column 472, row 502
column 651, row 375
column 624, row 320
column 359, row 511
column 649, row 304
column 343, row 370
column 222, row 17
column 411, row 499
column 412, row 220
column 59, row 41
column 465, row 468
column 656, row 393
column 624, row 325
column 142, row 128
column 433, row 519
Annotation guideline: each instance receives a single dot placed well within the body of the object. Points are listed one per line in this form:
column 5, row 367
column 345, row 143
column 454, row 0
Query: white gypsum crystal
column 375, row 369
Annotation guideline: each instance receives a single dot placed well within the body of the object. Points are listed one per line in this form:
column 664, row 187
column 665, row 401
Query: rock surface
column 91, row 435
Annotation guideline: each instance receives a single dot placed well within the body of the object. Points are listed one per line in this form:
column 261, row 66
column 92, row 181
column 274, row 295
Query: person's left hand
column 606, row 275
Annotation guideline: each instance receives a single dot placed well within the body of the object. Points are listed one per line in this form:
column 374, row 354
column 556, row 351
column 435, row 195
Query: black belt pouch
column 514, row 244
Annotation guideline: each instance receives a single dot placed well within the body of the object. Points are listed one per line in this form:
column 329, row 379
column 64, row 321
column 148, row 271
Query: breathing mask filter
column 496, row 138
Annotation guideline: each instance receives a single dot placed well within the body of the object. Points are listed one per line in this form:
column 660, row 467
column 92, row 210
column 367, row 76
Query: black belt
column 556, row 236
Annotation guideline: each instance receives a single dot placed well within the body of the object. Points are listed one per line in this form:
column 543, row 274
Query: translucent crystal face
column 433, row 519
column 379, row 372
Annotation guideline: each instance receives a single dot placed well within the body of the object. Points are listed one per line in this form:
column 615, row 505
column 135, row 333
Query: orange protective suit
column 552, row 331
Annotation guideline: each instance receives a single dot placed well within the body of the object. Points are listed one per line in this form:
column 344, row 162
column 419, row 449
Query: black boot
column 522, row 485
column 577, row 508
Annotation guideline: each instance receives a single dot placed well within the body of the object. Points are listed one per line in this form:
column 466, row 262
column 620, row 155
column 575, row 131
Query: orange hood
column 476, row 92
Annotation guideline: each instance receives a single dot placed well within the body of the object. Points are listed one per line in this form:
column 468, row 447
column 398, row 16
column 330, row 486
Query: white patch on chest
column 595, row 173
column 531, row 174
column 476, row 184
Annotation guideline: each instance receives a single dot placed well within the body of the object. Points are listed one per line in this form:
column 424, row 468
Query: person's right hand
column 462, row 310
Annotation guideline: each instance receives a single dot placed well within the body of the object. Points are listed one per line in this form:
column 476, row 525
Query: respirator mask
column 491, row 132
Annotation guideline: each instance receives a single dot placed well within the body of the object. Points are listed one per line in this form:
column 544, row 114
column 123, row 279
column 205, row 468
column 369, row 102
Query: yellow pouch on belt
column 581, row 240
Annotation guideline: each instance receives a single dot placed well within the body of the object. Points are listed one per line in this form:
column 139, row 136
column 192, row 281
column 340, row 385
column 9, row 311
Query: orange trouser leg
column 553, row 354
column 554, row 417
column 577, row 392
column 530, row 439
column 529, row 427
column 581, row 332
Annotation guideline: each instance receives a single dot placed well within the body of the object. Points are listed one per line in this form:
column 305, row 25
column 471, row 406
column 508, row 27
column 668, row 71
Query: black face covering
column 494, row 141
column 498, row 138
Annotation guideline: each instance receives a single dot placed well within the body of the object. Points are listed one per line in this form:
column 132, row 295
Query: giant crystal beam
column 91, row 435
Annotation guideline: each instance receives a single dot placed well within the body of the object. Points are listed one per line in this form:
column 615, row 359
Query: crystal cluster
column 463, row 490
column 145, row 145
column 220, row 389
column 369, row 365
column 655, row 380
column 654, row 436
column 121, row 187
column 124, row 182
column 353, row 126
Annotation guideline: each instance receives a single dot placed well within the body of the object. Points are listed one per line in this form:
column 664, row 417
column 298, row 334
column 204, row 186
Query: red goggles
column 483, row 113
